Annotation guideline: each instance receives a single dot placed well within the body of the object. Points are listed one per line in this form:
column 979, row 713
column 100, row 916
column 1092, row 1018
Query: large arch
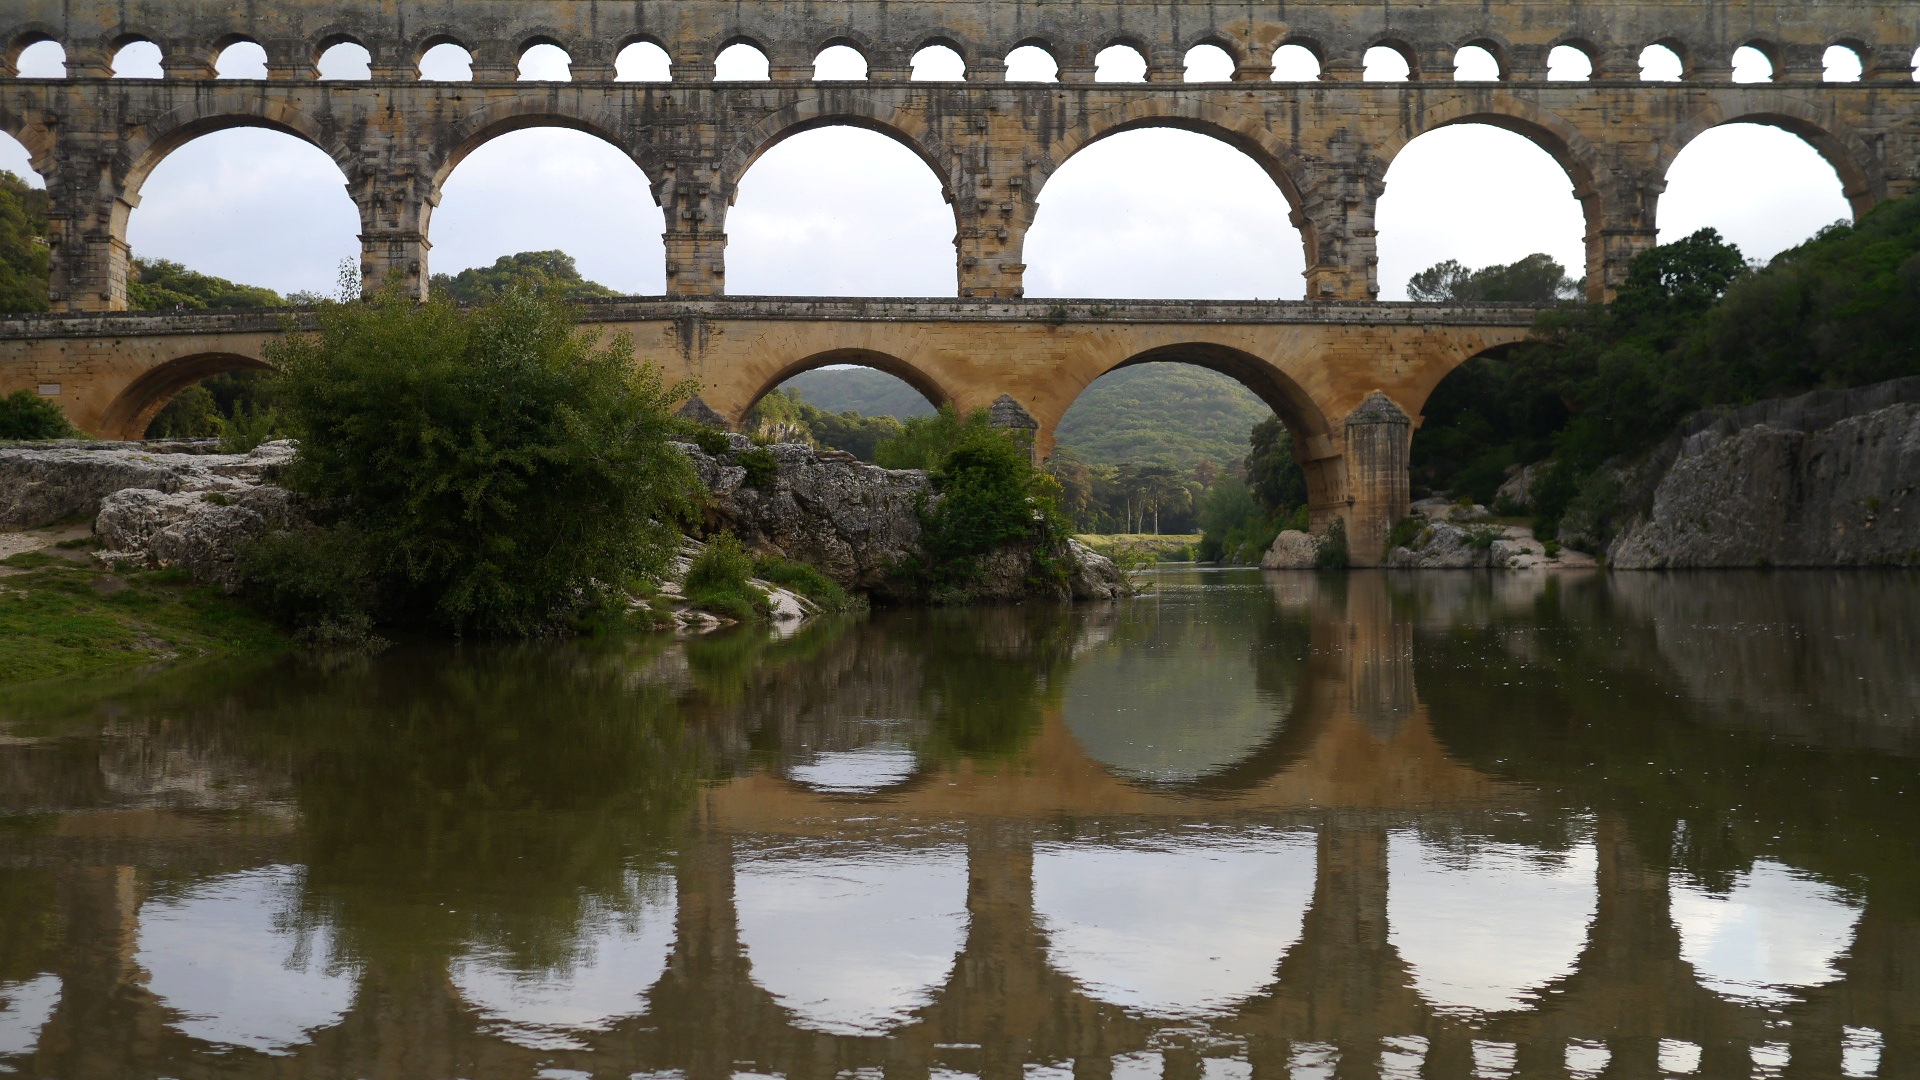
column 846, row 108
column 454, row 142
column 764, row 382
column 133, row 408
column 1244, row 130
column 1862, row 180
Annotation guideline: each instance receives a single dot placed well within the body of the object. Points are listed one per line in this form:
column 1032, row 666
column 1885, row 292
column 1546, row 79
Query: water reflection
column 1445, row 825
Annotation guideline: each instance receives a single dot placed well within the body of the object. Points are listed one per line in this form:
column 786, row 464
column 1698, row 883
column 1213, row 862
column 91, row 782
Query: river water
column 1246, row 826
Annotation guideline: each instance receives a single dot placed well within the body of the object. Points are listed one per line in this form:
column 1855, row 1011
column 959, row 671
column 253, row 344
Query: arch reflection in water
column 1774, row 932
column 25, row 1008
column 219, row 956
column 852, row 942
column 1485, row 929
column 860, row 771
column 1174, row 926
column 620, row 956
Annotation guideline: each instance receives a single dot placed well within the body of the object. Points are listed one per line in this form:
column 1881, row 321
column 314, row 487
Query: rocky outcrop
column 1291, row 550
column 46, row 482
column 860, row 524
column 1827, row 479
column 198, row 531
column 1445, row 546
column 1517, row 490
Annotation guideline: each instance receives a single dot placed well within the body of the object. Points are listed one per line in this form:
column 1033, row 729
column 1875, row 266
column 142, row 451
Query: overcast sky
column 840, row 211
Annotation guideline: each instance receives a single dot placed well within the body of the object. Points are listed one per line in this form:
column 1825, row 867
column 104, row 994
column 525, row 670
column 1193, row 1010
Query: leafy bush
column 805, row 580
column 1405, row 531
column 760, row 465
column 986, row 486
column 925, row 442
column 500, row 469
column 717, row 581
column 1331, row 553
column 248, row 429
column 711, row 442
column 24, row 414
column 319, row 581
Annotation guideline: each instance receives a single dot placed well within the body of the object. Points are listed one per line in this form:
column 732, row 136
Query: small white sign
column 49, row 389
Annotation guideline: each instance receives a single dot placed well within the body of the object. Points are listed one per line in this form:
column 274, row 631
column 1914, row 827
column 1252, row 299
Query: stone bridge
column 992, row 144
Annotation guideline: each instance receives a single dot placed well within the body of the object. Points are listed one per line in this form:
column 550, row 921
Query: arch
column 136, row 56
column 1762, row 219
column 1862, row 180
column 342, row 58
column 1390, row 60
column 218, row 112
column 1209, row 62
column 37, row 54
column 1663, row 61
column 1843, row 61
column 1480, row 60
column 1298, row 60
column 1028, row 57
column 1122, row 62
column 1288, row 399
column 742, row 60
column 642, row 60
column 1571, row 61
column 938, row 61
column 16, row 156
column 1243, row 132
column 445, row 61
column 127, row 416
column 909, row 129
column 1774, row 933
column 1757, row 61
column 240, row 58
column 543, row 59
column 923, row 381
column 505, row 115
column 839, row 61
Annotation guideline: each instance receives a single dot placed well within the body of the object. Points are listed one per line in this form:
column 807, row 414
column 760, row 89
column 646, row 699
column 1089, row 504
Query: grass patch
column 807, row 581
column 63, row 618
column 717, row 581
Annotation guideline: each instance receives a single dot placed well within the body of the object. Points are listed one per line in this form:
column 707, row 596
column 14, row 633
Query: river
column 1244, row 826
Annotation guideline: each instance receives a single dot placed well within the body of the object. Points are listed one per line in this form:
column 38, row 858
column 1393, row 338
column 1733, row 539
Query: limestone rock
column 1446, row 546
column 1518, row 488
column 198, row 531
column 44, row 483
column 1847, row 494
column 1291, row 550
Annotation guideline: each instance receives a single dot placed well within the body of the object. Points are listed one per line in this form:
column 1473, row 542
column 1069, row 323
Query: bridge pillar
column 1336, row 219
column 993, row 212
column 1379, row 437
column 1624, row 225
column 693, row 201
column 89, row 256
column 394, row 209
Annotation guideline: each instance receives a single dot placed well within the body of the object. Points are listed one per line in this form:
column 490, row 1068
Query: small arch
column 36, row 56
column 1033, row 62
column 138, row 58
column 133, row 409
column 1209, row 63
column 343, row 59
column 1752, row 63
column 742, row 61
column 1842, row 63
column 446, row 61
column 1661, row 62
column 244, row 59
column 1119, row 64
column 922, row 382
column 1477, row 63
column 1387, row 62
column 839, row 62
column 643, row 61
column 939, row 63
column 1297, row 61
column 544, row 60
column 1570, row 63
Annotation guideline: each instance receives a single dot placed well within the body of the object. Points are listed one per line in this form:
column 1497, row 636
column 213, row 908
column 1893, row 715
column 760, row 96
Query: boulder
column 198, row 531
column 1518, row 488
column 1446, row 546
column 47, row 482
column 1291, row 550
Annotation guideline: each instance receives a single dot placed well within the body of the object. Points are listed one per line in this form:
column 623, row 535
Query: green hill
column 1172, row 414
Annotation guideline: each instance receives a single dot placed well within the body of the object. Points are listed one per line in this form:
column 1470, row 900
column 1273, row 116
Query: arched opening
column 1031, row 63
column 1209, row 63
column 1659, row 63
column 132, row 414
column 1107, row 227
column 278, row 984
column 1569, row 63
column 446, row 62
column 1438, row 205
column 1475, row 63
column 939, row 63
column 137, row 60
column 1384, row 63
column 852, row 945
column 42, row 60
column 1469, row 954
column 1771, row 935
column 1179, row 439
column 210, row 407
column 848, row 400
column 1119, row 63
column 1763, row 188
column 552, row 204
column 241, row 60
column 621, row 950
column 1750, row 65
column 1201, row 924
column 643, row 61
column 23, row 201
column 741, row 62
column 840, row 211
column 839, row 63
column 1841, row 63
column 347, row 61
column 1295, row 63
column 545, row 62
column 210, row 202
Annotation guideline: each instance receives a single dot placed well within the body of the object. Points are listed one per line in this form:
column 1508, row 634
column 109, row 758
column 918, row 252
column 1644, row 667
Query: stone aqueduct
column 992, row 144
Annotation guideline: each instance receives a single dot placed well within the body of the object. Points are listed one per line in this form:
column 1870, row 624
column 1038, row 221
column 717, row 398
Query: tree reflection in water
column 1434, row 825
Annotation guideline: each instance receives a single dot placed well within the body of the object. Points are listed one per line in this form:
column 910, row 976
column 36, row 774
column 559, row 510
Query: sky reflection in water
column 1245, row 826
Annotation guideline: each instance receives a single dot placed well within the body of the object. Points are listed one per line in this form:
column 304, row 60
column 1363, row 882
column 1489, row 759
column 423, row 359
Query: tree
column 538, row 271
column 161, row 285
column 24, row 414
column 1272, row 474
column 493, row 469
column 24, row 254
column 1536, row 279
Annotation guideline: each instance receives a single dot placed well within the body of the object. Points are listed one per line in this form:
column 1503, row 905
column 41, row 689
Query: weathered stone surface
column 1518, row 488
column 1847, row 494
column 1446, row 546
column 43, row 483
column 1291, row 550
column 198, row 531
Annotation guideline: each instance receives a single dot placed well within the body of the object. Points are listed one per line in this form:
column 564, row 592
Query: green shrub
column 925, row 441
column 760, row 464
column 1481, row 537
column 24, row 414
column 711, row 441
column 717, row 581
column 248, row 429
column 1331, row 554
column 318, row 581
column 500, row 468
column 1405, row 531
column 805, row 580
column 1552, row 548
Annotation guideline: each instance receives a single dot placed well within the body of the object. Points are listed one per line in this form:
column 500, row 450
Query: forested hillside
column 23, row 246
column 862, row 390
